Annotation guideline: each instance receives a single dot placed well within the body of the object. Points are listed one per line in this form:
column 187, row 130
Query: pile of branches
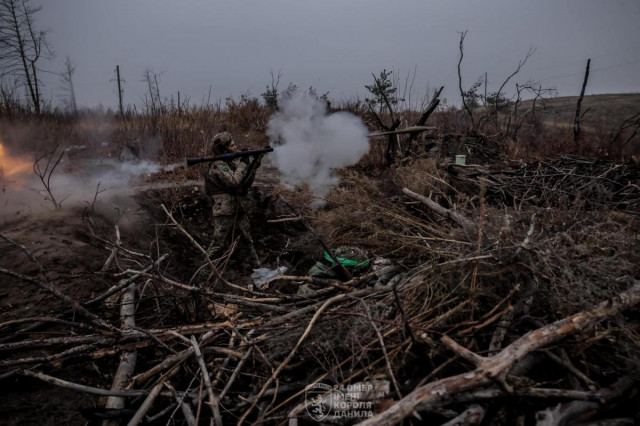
column 565, row 182
column 455, row 339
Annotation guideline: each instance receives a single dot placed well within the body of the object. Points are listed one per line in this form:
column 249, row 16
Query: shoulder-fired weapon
column 229, row 156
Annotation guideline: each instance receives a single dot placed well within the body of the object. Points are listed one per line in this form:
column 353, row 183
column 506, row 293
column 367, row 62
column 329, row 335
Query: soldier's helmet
column 220, row 142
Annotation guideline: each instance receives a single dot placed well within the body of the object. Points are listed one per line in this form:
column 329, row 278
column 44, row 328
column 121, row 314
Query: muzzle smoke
column 314, row 142
column 76, row 181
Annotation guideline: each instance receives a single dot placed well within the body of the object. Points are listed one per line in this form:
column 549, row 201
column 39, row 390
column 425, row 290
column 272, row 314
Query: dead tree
column 153, row 103
column 270, row 95
column 44, row 174
column 66, row 78
column 120, row 90
column 435, row 101
column 383, row 90
column 462, row 92
column 578, row 118
column 495, row 104
column 22, row 46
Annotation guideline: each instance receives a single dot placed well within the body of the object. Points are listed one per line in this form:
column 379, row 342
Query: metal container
column 461, row 159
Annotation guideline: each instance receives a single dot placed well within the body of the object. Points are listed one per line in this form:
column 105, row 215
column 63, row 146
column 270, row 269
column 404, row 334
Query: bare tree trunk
column 21, row 46
column 435, row 101
column 464, row 102
column 23, row 57
column 119, row 90
column 578, row 119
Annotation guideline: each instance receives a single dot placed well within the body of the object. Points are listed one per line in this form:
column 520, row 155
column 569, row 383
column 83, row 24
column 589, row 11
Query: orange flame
column 11, row 166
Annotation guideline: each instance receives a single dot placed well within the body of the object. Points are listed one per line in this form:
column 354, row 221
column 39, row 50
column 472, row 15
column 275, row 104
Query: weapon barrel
column 228, row 156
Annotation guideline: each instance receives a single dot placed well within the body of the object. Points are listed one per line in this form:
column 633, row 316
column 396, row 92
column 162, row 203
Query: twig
column 563, row 413
column 392, row 376
column 75, row 305
column 466, row 224
column 148, row 402
column 286, row 361
column 166, row 363
column 124, row 283
column 45, row 175
column 82, row 388
column 186, row 409
column 213, row 401
column 235, row 373
column 114, row 250
column 572, row 369
column 195, row 243
column 25, row 250
column 497, row 366
column 285, row 219
column 225, row 363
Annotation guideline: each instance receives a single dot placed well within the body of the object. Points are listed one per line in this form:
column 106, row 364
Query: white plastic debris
column 262, row 276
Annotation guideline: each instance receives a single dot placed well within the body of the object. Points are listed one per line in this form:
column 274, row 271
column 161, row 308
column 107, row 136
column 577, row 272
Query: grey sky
column 335, row 45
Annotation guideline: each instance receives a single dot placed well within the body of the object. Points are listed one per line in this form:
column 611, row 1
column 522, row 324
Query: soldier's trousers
column 225, row 230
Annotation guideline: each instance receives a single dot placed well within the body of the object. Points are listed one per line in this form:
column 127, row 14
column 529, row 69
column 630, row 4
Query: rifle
column 229, row 156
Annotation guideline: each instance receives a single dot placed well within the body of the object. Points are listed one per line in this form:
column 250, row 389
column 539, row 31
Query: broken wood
column 128, row 359
column 497, row 366
column 213, row 400
column 469, row 226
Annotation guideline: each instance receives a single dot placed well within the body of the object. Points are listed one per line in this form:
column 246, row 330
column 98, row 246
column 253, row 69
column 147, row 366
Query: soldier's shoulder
column 219, row 166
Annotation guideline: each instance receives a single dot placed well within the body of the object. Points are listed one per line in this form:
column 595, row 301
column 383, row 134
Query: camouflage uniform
column 227, row 183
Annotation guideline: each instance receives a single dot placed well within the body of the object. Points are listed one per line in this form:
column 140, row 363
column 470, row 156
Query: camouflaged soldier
column 227, row 182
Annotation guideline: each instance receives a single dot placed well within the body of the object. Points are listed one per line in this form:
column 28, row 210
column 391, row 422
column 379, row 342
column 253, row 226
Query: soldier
column 227, row 182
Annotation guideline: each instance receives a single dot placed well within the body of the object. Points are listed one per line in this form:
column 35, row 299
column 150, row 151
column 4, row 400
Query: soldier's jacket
column 226, row 182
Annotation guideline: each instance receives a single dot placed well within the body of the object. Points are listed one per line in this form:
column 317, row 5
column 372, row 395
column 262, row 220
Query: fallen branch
column 124, row 283
column 496, row 367
column 286, row 361
column 114, row 250
column 213, row 401
column 128, row 359
column 83, row 388
column 198, row 246
column 466, row 224
column 563, row 413
column 148, row 402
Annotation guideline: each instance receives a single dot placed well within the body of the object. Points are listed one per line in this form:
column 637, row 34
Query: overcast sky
column 335, row 45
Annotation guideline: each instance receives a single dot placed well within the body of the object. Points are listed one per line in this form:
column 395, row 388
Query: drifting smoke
column 314, row 142
column 74, row 182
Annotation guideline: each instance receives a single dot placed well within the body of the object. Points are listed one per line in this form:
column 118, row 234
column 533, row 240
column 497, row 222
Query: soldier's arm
column 226, row 175
column 251, row 172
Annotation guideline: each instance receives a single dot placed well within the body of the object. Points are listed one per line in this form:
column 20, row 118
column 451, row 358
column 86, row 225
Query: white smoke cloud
column 115, row 181
column 314, row 142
